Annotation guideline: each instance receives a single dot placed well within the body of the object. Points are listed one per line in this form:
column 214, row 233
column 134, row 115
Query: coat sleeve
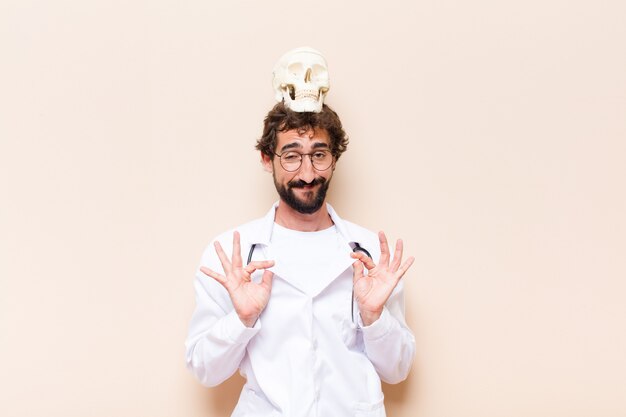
column 217, row 339
column 389, row 343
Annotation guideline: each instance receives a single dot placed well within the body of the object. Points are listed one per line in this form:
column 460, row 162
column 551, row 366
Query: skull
column 301, row 80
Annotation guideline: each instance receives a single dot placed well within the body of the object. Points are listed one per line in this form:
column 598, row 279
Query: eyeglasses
column 291, row 160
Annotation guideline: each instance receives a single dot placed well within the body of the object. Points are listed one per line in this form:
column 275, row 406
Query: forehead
column 301, row 139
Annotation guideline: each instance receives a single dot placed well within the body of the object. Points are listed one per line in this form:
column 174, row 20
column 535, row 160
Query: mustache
column 302, row 184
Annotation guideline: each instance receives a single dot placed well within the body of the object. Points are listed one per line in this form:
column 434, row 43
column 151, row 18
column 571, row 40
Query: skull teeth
column 307, row 95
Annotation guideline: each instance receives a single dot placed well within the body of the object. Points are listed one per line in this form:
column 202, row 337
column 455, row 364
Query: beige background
column 490, row 135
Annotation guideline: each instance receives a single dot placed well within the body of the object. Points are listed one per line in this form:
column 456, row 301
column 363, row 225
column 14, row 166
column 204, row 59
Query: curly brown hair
column 281, row 119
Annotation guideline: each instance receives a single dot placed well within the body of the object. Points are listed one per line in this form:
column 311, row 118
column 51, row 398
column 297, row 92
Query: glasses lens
column 322, row 160
column 291, row 161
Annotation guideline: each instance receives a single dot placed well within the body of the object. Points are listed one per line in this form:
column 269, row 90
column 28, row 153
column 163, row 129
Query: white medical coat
column 304, row 356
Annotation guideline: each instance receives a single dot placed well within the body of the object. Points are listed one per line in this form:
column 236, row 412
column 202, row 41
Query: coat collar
column 263, row 234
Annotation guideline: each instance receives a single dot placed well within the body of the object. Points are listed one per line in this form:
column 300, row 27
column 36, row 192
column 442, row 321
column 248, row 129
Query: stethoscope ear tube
column 357, row 248
column 250, row 253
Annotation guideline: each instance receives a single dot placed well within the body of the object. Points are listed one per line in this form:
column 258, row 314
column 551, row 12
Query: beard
column 309, row 206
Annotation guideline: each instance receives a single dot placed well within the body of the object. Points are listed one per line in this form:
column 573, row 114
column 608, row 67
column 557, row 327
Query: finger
column 405, row 266
column 397, row 256
column 266, row 280
column 367, row 261
column 223, row 257
column 357, row 271
column 254, row 265
column 384, row 249
column 218, row 277
column 236, row 250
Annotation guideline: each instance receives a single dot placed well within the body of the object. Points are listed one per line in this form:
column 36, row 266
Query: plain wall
column 489, row 135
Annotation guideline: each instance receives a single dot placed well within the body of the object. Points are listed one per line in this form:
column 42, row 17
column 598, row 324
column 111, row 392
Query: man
column 310, row 320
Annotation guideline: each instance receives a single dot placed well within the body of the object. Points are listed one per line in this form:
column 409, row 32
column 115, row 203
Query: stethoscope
column 356, row 248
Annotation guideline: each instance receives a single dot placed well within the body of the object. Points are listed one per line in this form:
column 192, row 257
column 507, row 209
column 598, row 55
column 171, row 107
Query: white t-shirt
column 299, row 253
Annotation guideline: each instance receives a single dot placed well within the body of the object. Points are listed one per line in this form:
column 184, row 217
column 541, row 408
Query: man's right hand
column 248, row 298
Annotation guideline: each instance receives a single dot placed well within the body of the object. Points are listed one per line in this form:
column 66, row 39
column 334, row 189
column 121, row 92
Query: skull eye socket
column 295, row 68
column 318, row 71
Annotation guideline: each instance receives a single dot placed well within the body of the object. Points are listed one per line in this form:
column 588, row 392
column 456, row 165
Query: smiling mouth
column 307, row 187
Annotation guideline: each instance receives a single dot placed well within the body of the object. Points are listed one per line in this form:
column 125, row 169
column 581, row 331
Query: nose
column 307, row 76
column 306, row 172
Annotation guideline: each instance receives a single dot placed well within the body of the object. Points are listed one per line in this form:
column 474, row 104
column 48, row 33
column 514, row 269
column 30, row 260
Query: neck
column 292, row 219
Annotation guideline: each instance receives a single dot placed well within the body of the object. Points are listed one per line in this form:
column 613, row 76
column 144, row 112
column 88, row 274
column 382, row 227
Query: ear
column 266, row 161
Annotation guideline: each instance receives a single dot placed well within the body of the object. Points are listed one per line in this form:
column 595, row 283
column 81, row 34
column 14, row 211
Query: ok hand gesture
column 248, row 298
column 372, row 291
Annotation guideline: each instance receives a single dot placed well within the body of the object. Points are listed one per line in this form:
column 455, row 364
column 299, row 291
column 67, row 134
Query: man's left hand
column 372, row 291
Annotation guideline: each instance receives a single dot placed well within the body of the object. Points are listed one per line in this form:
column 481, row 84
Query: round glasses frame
column 302, row 155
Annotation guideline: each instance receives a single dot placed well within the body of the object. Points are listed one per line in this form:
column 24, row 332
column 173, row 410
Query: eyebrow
column 292, row 145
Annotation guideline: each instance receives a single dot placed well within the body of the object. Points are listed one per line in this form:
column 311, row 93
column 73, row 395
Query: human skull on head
column 301, row 80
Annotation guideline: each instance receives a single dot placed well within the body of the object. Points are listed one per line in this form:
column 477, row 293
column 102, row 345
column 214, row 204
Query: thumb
column 357, row 272
column 267, row 279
